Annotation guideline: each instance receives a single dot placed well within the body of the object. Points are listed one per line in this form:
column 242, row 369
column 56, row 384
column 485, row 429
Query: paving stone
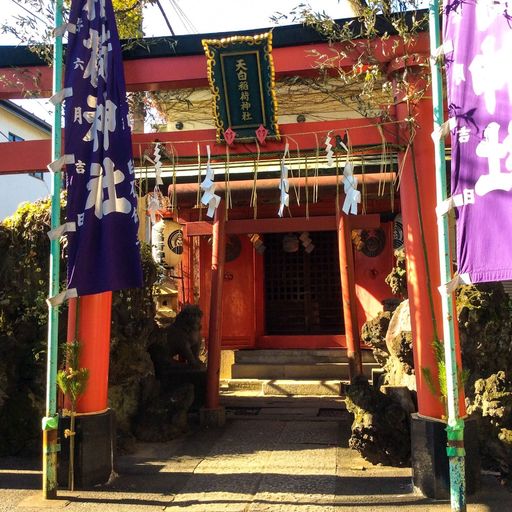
column 248, row 466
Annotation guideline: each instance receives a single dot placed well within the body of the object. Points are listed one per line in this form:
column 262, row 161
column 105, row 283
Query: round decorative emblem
column 373, row 241
column 175, row 241
column 398, row 232
column 290, row 243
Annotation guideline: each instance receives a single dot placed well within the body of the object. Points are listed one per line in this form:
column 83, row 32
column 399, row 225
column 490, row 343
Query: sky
column 205, row 15
column 226, row 15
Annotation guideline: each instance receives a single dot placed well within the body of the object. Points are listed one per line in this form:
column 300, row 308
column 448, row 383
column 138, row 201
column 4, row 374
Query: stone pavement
column 249, row 466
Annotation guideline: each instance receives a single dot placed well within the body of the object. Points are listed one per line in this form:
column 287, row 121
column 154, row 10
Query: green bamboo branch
column 72, row 381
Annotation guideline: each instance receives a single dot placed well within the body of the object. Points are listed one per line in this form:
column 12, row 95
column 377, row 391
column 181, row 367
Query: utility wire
column 16, row 2
column 185, row 20
column 165, row 17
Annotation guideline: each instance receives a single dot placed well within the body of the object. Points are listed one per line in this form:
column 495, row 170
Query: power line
column 185, row 20
column 165, row 17
column 16, row 2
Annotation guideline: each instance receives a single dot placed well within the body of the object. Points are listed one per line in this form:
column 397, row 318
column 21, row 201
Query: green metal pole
column 455, row 427
column 50, row 422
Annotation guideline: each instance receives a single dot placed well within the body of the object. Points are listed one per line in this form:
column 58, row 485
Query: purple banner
column 479, row 76
column 103, row 253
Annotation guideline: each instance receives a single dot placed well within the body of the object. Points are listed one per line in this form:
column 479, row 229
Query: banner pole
column 50, row 422
column 455, row 427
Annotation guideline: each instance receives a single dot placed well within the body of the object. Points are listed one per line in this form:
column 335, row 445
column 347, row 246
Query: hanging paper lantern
column 167, row 243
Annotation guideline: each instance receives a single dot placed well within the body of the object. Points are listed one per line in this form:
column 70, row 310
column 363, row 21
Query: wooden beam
column 278, row 225
column 25, row 156
column 185, row 71
column 31, row 156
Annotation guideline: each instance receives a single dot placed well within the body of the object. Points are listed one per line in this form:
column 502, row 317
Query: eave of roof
column 25, row 115
column 190, row 44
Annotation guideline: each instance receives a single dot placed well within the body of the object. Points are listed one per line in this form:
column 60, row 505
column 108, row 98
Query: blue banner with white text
column 103, row 253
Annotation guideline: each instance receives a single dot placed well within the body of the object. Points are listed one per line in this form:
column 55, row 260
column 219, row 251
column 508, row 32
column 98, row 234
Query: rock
column 164, row 413
column 124, row 400
column 380, row 430
column 485, row 327
column 373, row 333
column 493, row 405
column 399, row 366
column 129, row 361
column 400, row 322
column 401, row 395
column 397, row 278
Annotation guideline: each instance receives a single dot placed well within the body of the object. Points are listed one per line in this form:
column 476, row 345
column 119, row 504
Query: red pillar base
column 430, row 468
column 94, row 449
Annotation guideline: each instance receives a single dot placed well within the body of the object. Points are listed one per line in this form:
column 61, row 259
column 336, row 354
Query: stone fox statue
column 182, row 337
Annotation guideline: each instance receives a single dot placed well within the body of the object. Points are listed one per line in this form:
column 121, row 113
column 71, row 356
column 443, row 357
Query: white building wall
column 18, row 188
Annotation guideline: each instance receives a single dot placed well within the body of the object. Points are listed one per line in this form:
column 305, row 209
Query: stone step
column 289, row 371
column 281, row 387
column 281, row 403
column 297, row 356
column 308, row 414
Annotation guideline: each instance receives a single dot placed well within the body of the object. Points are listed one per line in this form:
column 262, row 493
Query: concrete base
column 212, row 417
column 430, row 467
column 94, row 450
column 227, row 360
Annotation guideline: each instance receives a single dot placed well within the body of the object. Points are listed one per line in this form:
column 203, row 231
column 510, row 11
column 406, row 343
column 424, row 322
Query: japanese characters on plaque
column 479, row 78
column 241, row 76
column 103, row 253
column 243, row 88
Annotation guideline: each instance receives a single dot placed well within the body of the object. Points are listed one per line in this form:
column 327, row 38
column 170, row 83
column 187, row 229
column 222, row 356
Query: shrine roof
column 190, row 44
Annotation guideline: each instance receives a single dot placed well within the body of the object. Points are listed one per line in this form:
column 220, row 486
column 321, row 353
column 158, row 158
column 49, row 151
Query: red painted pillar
column 94, row 318
column 215, row 324
column 418, row 202
column 348, row 291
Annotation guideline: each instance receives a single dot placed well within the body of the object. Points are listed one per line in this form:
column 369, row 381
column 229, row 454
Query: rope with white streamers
column 154, row 203
column 158, row 165
column 284, row 184
column 352, row 195
column 210, row 198
column 329, row 152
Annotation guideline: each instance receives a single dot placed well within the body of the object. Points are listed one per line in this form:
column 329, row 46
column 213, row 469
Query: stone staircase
column 289, row 384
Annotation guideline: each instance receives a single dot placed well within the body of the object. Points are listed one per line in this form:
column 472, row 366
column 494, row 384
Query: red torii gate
column 179, row 71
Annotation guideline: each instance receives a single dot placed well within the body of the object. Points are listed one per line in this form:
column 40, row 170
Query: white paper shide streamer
column 284, row 184
column 154, row 204
column 209, row 198
column 158, row 165
column 329, row 152
column 352, row 195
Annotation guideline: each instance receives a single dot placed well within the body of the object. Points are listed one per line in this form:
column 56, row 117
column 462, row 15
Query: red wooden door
column 238, row 308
